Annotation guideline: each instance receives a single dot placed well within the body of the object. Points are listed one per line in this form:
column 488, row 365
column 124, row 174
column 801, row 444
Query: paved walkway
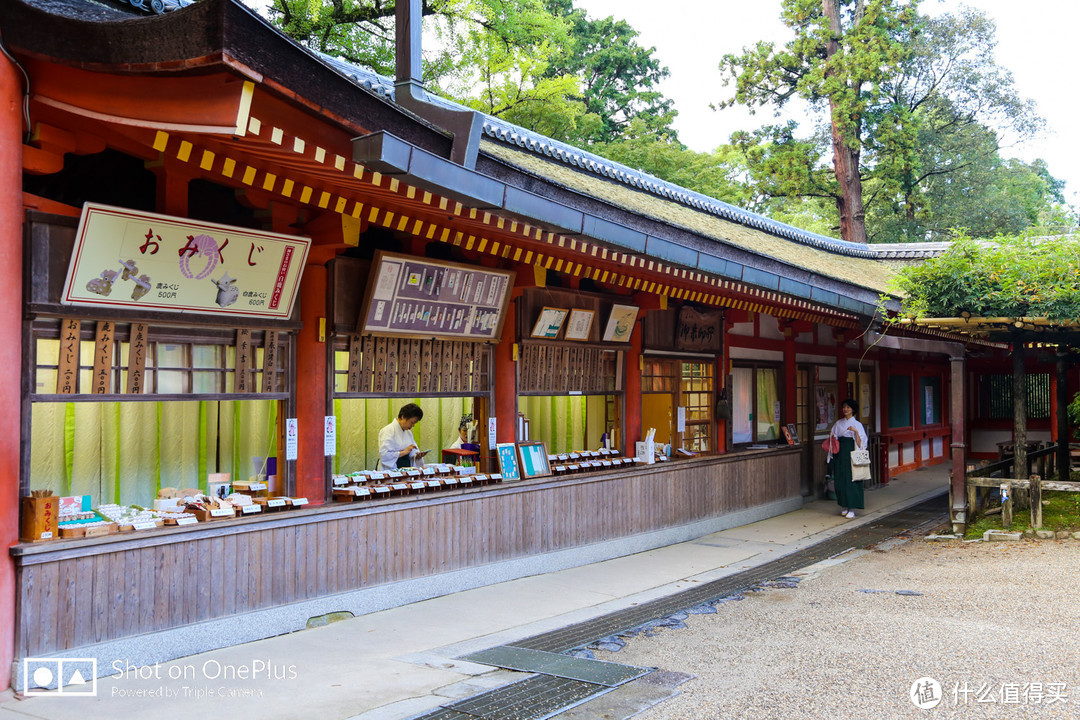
column 399, row 663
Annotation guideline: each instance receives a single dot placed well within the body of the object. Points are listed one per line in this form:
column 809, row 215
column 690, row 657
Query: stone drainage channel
column 566, row 675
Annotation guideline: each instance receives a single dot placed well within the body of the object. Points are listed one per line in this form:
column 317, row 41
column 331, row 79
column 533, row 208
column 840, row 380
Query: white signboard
column 131, row 259
column 330, row 435
column 291, row 438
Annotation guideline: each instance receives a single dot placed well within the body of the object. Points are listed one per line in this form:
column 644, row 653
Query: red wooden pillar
column 790, row 373
column 311, row 385
column 506, row 378
column 11, row 262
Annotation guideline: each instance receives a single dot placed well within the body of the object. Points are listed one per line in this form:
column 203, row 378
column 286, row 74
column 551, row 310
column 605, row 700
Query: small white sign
column 299, row 501
column 680, row 419
column 248, row 509
column 150, row 525
column 291, row 438
column 276, row 502
column 221, row 512
column 330, row 435
column 491, row 432
column 189, row 520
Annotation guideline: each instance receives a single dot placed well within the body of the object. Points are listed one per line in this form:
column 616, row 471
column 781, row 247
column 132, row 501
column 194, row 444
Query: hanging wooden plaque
column 353, row 383
column 103, row 352
column 270, row 362
column 243, row 361
column 136, row 359
column 67, row 371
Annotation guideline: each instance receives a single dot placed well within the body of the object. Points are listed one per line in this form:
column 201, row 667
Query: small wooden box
column 40, row 516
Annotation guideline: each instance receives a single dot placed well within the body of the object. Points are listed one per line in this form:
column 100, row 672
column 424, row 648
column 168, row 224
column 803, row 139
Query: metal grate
column 532, row 699
column 526, row 660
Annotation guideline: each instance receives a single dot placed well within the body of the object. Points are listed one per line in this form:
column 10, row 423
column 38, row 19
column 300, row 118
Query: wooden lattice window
column 405, row 367
column 548, row 368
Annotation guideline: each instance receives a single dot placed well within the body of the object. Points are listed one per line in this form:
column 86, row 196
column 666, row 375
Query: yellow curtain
column 559, row 421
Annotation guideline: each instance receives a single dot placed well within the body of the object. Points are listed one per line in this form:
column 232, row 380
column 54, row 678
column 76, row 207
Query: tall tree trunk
column 846, row 153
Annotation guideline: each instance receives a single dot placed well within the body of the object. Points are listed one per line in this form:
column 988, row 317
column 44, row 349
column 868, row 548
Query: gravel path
column 1001, row 620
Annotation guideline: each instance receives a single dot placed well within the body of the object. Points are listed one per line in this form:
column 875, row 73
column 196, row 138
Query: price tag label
column 276, row 502
column 560, row 468
column 417, row 486
column 574, row 467
column 605, row 463
column 299, row 501
column 150, row 525
column 361, row 492
column 465, row 479
column 248, row 509
column 380, row 489
column 221, row 512
column 341, row 480
column 377, row 476
column 429, row 471
column 450, row 481
column 400, row 486
column 412, row 472
column 434, row 483
column 189, row 520
column 496, row 476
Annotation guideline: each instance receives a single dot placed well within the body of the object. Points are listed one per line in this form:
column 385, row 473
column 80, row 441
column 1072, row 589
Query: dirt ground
column 996, row 625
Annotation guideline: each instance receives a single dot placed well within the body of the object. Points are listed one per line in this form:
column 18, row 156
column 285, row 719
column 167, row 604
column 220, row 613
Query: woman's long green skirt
column 849, row 494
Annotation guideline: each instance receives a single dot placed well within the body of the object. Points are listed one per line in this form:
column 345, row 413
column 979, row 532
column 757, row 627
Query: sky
column 1036, row 42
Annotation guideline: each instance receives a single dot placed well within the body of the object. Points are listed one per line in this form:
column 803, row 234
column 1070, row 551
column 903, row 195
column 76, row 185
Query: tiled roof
column 514, row 135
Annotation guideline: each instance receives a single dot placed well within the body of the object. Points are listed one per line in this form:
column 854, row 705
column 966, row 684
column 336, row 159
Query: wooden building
column 629, row 304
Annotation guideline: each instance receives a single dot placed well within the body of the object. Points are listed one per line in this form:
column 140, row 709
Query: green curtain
column 563, row 422
column 767, row 397
column 360, row 420
column 125, row 452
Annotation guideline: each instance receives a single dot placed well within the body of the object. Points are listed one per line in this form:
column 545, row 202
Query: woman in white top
column 851, row 434
column 397, row 447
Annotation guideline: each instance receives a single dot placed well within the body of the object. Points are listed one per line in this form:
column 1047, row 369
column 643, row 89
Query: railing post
column 1006, row 507
column 1036, row 502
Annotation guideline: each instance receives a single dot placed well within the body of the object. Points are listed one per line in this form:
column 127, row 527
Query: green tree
column 842, row 53
column 618, row 78
column 958, row 108
column 538, row 63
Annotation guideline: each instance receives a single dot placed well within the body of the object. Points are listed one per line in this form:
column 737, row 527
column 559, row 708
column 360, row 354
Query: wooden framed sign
column 508, row 462
column 424, row 298
column 549, row 323
column 620, row 323
column 132, row 259
column 534, row 459
column 579, row 325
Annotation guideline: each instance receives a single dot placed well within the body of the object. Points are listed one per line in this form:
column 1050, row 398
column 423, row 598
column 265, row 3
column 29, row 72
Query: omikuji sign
column 126, row 258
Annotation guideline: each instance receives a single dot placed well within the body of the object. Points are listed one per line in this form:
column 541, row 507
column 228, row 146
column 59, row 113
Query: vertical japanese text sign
column 68, row 362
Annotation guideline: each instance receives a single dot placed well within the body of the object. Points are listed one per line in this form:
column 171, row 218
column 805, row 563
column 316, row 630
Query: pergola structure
column 1021, row 334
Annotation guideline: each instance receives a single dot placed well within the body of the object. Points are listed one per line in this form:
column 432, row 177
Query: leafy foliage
column 1009, row 277
column 538, row 63
column 924, row 111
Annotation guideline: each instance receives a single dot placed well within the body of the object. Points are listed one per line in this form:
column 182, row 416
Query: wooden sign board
column 136, row 358
column 270, row 361
column 67, row 371
column 243, row 361
column 101, row 382
column 697, row 331
column 132, row 259
column 420, row 297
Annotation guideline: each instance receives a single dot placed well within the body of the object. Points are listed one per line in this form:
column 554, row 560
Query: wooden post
column 1020, row 471
column 958, row 447
column 1006, row 506
column 1063, row 460
column 1036, row 501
